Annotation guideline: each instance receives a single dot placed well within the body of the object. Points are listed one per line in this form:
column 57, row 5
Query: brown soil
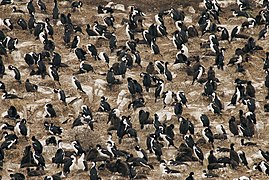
column 32, row 104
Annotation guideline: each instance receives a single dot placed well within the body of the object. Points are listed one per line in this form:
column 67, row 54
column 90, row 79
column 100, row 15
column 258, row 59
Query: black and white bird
column 2, row 66
column 77, row 84
column 233, row 126
column 75, row 42
column 2, row 86
column 7, row 95
column 50, row 112
column 154, row 48
column 110, row 78
column 58, row 157
column 250, row 90
column 41, row 68
column 21, row 129
column 98, row 28
column 12, row 113
column 15, row 10
column 220, row 130
column 52, row 177
column 53, row 73
column 7, row 23
column 103, row 152
column 190, row 177
column 189, row 141
column 17, row 176
column 82, row 163
column 61, row 95
column 159, row 89
column 86, row 111
column 112, row 42
column 198, row 74
column 69, row 165
column 264, row 154
column 109, row 21
column 53, row 129
column 76, row 5
column 42, row 6
column 129, row 32
column 141, row 153
column 49, row 28
column 77, row 147
column 8, row 144
column 89, row 31
column 224, row 34
column 37, row 146
column 198, row 153
column 104, row 105
column 263, row 33
column 169, row 141
column 104, row 57
column 180, row 95
column 22, row 23
column 184, row 125
column 243, row 159
column 249, row 143
column 234, row 155
column 165, row 170
column 92, row 51
column 262, row 167
column 214, row 108
column 168, row 98
column 93, row 173
column 16, row 73
column 208, row 136
column 85, row 67
column 137, row 161
column 205, row 120
column 167, row 73
column 81, row 54
column 30, row 87
column 209, row 175
column 39, row 160
column 7, row 126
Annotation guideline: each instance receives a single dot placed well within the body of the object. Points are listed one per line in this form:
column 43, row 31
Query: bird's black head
column 46, row 123
column 10, row 67
column 23, row 121
column 137, row 148
column 49, row 105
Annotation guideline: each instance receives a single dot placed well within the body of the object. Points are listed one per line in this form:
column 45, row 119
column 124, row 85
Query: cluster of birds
column 156, row 79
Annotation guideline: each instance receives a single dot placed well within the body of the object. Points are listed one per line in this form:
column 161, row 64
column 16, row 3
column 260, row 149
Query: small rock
column 191, row 10
column 77, row 104
column 123, row 103
column 119, row 7
column 89, row 92
column 188, row 19
column 121, row 96
column 99, row 92
column 39, row 114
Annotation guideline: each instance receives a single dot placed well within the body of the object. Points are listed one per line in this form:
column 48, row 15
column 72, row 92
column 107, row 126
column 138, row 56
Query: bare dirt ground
column 32, row 105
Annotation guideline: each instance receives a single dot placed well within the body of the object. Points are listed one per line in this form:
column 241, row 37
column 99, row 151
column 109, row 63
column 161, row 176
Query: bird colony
column 115, row 91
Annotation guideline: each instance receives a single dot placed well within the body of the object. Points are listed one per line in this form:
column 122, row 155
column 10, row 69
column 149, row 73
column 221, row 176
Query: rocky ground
column 31, row 106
